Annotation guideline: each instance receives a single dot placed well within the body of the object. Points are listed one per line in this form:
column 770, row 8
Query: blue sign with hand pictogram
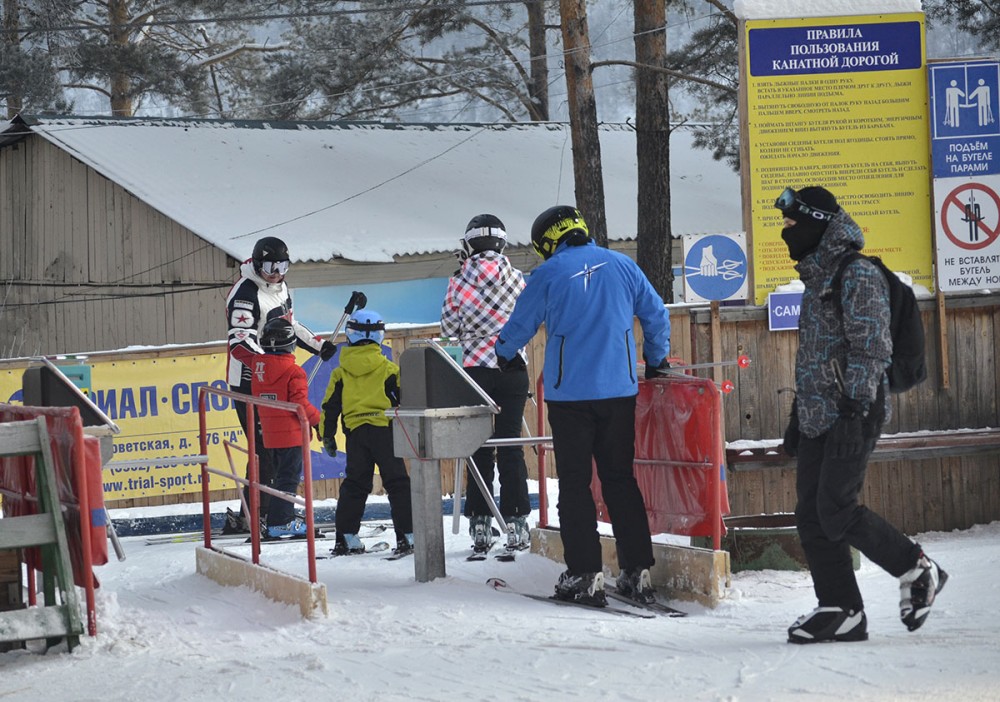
column 715, row 267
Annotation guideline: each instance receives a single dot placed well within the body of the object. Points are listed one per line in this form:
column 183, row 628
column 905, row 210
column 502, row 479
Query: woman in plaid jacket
column 480, row 298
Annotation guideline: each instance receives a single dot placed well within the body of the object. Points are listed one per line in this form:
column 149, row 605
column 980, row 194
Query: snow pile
column 169, row 634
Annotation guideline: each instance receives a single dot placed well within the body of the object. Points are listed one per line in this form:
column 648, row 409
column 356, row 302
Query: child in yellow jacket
column 361, row 389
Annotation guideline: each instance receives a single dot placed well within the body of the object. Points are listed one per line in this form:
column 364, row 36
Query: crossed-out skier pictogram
column 970, row 216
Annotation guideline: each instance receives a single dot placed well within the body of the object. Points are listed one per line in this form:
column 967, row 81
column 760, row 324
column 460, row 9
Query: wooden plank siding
column 88, row 266
column 916, row 495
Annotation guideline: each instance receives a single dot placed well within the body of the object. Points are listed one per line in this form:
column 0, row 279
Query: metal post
column 428, row 527
column 456, row 515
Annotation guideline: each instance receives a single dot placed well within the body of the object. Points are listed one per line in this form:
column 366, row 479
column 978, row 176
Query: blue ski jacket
column 588, row 296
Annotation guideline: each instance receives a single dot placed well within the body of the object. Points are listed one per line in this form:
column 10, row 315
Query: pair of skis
column 325, row 530
column 379, row 547
column 506, row 556
column 627, row 608
column 218, row 535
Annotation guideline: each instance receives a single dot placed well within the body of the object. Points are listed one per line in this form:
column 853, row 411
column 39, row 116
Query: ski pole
column 357, row 302
column 488, row 496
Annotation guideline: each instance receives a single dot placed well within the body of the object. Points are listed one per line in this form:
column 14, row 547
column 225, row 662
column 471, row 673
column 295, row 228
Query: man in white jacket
column 259, row 296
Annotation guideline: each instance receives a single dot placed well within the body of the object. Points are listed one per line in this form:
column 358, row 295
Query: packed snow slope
column 166, row 633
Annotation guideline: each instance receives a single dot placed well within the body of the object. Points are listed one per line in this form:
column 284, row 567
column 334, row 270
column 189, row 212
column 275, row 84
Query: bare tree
column 587, row 171
column 652, row 141
column 539, row 85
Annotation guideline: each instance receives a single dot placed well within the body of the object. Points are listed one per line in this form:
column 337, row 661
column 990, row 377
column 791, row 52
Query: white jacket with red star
column 253, row 301
column 480, row 298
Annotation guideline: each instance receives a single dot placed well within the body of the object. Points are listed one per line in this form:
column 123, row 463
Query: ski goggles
column 274, row 267
column 789, row 201
column 357, row 325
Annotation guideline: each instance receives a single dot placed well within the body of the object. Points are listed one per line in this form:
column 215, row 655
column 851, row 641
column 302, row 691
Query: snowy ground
column 166, row 633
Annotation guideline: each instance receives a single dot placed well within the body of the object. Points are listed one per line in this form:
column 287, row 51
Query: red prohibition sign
column 980, row 233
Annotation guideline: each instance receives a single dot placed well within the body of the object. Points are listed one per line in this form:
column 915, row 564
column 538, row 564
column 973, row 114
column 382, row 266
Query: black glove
column 846, row 439
column 514, row 364
column 791, row 443
column 656, row 371
column 330, row 445
column 327, row 350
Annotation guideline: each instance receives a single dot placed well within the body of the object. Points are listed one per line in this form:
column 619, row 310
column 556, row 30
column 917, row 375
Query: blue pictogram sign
column 715, row 267
column 965, row 118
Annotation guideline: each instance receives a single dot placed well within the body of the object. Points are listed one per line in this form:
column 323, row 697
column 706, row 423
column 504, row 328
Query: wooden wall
column 919, row 495
column 87, row 266
column 758, row 407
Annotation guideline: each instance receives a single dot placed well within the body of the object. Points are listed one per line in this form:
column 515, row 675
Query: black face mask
column 803, row 238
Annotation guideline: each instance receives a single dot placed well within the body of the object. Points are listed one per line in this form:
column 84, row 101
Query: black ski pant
column 367, row 446
column 830, row 521
column 602, row 432
column 264, row 458
column 510, row 391
column 287, row 463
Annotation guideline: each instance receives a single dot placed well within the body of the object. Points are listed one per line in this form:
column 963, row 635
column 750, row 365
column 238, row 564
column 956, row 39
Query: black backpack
column 907, row 367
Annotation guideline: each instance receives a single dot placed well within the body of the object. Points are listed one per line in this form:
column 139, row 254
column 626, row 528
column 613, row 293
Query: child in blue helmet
column 362, row 387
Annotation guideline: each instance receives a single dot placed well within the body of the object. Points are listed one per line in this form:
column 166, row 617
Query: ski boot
column 636, row 584
column 825, row 624
column 347, row 545
column 518, row 534
column 918, row 588
column 481, row 531
column 403, row 545
column 584, row 588
column 295, row 529
column 235, row 523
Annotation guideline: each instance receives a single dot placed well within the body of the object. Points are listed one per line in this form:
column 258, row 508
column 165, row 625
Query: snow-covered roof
column 776, row 9
column 367, row 192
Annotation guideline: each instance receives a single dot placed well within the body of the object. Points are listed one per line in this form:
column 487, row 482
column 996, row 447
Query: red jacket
column 276, row 376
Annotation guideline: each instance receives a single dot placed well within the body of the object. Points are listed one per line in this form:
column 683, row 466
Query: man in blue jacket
column 587, row 296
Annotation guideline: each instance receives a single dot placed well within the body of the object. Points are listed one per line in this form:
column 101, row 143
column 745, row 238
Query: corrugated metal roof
column 369, row 191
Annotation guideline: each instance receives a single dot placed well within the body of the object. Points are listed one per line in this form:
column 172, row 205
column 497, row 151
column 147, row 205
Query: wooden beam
column 888, row 448
column 235, row 571
column 943, row 342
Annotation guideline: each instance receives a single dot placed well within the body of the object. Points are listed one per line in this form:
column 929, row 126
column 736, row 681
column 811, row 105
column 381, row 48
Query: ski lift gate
column 443, row 413
column 679, row 457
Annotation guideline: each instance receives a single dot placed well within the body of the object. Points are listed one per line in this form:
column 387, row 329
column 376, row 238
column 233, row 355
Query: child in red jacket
column 276, row 376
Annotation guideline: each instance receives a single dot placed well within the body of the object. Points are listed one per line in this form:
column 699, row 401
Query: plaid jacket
column 480, row 298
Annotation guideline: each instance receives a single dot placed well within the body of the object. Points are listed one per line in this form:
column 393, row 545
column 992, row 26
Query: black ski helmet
column 278, row 336
column 555, row 225
column 270, row 248
column 485, row 232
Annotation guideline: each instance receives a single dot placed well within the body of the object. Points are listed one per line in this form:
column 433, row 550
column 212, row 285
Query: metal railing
column 253, row 469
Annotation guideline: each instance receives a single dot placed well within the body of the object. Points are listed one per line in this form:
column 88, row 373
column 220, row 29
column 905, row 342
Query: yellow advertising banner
column 840, row 102
column 154, row 401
